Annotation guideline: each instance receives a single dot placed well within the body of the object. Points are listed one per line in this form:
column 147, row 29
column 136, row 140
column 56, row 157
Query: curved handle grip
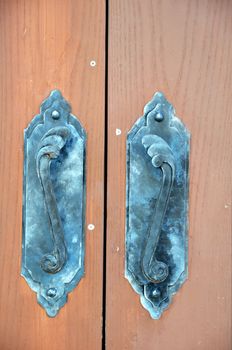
column 162, row 157
column 49, row 148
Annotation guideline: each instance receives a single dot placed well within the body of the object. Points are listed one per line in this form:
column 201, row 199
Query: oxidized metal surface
column 53, row 203
column 157, row 205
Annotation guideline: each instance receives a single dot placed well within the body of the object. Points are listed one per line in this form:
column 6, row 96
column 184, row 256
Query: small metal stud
column 93, row 63
column 55, row 114
column 159, row 117
column 156, row 293
column 118, row 132
column 51, row 292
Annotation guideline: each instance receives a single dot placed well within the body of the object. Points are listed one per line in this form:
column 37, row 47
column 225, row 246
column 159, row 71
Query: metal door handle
column 162, row 157
column 51, row 144
column 157, row 205
column 53, row 203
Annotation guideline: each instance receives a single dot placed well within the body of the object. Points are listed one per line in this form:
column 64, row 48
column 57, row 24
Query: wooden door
column 184, row 49
column 46, row 45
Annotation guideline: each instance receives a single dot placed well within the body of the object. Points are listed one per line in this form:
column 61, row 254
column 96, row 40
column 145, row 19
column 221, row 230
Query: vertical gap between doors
column 105, row 178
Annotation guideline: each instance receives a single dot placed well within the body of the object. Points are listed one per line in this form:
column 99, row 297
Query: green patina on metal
column 157, row 205
column 53, row 203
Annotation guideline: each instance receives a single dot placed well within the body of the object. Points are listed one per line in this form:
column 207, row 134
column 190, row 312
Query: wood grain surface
column 184, row 49
column 48, row 44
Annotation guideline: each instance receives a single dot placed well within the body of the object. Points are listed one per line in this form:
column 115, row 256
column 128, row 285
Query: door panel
column 46, row 45
column 182, row 48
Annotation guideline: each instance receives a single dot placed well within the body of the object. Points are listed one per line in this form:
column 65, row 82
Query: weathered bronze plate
column 157, row 205
column 53, row 203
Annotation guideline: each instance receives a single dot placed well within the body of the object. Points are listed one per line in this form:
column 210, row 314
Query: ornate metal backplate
column 157, row 205
column 53, row 203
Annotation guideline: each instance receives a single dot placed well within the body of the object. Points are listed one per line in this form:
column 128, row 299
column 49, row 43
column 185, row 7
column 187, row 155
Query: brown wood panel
column 47, row 44
column 184, row 49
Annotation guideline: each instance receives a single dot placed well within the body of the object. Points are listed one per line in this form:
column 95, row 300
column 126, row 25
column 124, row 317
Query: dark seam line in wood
column 105, row 179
